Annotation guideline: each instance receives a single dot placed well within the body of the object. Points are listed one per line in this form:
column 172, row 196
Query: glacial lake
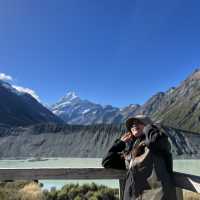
column 185, row 166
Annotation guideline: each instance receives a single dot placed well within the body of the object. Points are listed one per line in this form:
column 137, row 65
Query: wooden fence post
column 121, row 188
column 179, row 193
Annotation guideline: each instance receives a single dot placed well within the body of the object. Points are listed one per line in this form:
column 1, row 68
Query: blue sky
column 109, row 51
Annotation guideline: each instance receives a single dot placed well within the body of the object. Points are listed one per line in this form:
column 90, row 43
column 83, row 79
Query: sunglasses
column 135, row 123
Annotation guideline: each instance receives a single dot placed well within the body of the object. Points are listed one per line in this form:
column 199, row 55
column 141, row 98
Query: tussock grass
column 31, row 191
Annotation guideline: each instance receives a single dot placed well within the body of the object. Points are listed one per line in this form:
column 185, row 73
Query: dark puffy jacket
column 150, row 178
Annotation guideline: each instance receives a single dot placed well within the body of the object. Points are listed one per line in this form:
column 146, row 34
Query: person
column 146, row 154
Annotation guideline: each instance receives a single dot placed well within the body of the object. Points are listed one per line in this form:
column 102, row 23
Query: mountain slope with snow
column 74, row 110
column 21, row 109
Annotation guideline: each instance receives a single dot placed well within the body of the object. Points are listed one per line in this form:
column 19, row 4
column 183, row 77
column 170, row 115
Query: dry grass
column 187, row 195
column 31, row 192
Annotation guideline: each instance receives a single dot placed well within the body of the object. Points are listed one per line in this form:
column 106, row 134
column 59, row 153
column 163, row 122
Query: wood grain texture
column 60, row 173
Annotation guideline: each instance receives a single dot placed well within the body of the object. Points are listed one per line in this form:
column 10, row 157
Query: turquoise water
column 185, row 166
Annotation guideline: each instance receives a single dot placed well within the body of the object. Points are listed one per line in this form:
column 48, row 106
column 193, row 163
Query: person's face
column 137, row 129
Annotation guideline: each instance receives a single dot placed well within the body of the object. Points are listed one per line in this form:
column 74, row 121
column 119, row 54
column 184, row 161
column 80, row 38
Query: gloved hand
column 139, row 149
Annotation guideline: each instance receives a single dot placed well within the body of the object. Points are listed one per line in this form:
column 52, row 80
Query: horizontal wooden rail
column 184, row 181
column 61, row 173
column 187, row 181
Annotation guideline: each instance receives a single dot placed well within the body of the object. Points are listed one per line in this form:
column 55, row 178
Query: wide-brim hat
column 141, row 118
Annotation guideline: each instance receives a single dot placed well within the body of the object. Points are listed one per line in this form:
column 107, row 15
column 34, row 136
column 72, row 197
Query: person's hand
column 127, row 137
column 141, row 144
column 139, row 149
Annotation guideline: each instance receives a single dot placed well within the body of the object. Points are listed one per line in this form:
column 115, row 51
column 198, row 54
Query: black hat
column 141, row 118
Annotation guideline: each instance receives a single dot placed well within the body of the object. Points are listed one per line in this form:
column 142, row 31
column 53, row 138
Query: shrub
column 22, row 190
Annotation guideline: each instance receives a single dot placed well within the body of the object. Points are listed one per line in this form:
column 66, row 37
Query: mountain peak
column 71, row 95
column 195, row 75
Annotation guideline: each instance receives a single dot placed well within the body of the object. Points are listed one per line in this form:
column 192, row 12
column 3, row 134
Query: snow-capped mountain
column 21, row 109
column 178, row 107
column 74, row 110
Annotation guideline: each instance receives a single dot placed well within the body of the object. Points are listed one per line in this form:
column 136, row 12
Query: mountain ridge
column 178, row 107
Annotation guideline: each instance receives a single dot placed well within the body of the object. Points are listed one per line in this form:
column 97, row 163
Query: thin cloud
column 5, row 77
column 27, row 90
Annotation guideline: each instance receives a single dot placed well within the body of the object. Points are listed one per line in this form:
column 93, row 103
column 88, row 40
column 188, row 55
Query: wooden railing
column 182, row 181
